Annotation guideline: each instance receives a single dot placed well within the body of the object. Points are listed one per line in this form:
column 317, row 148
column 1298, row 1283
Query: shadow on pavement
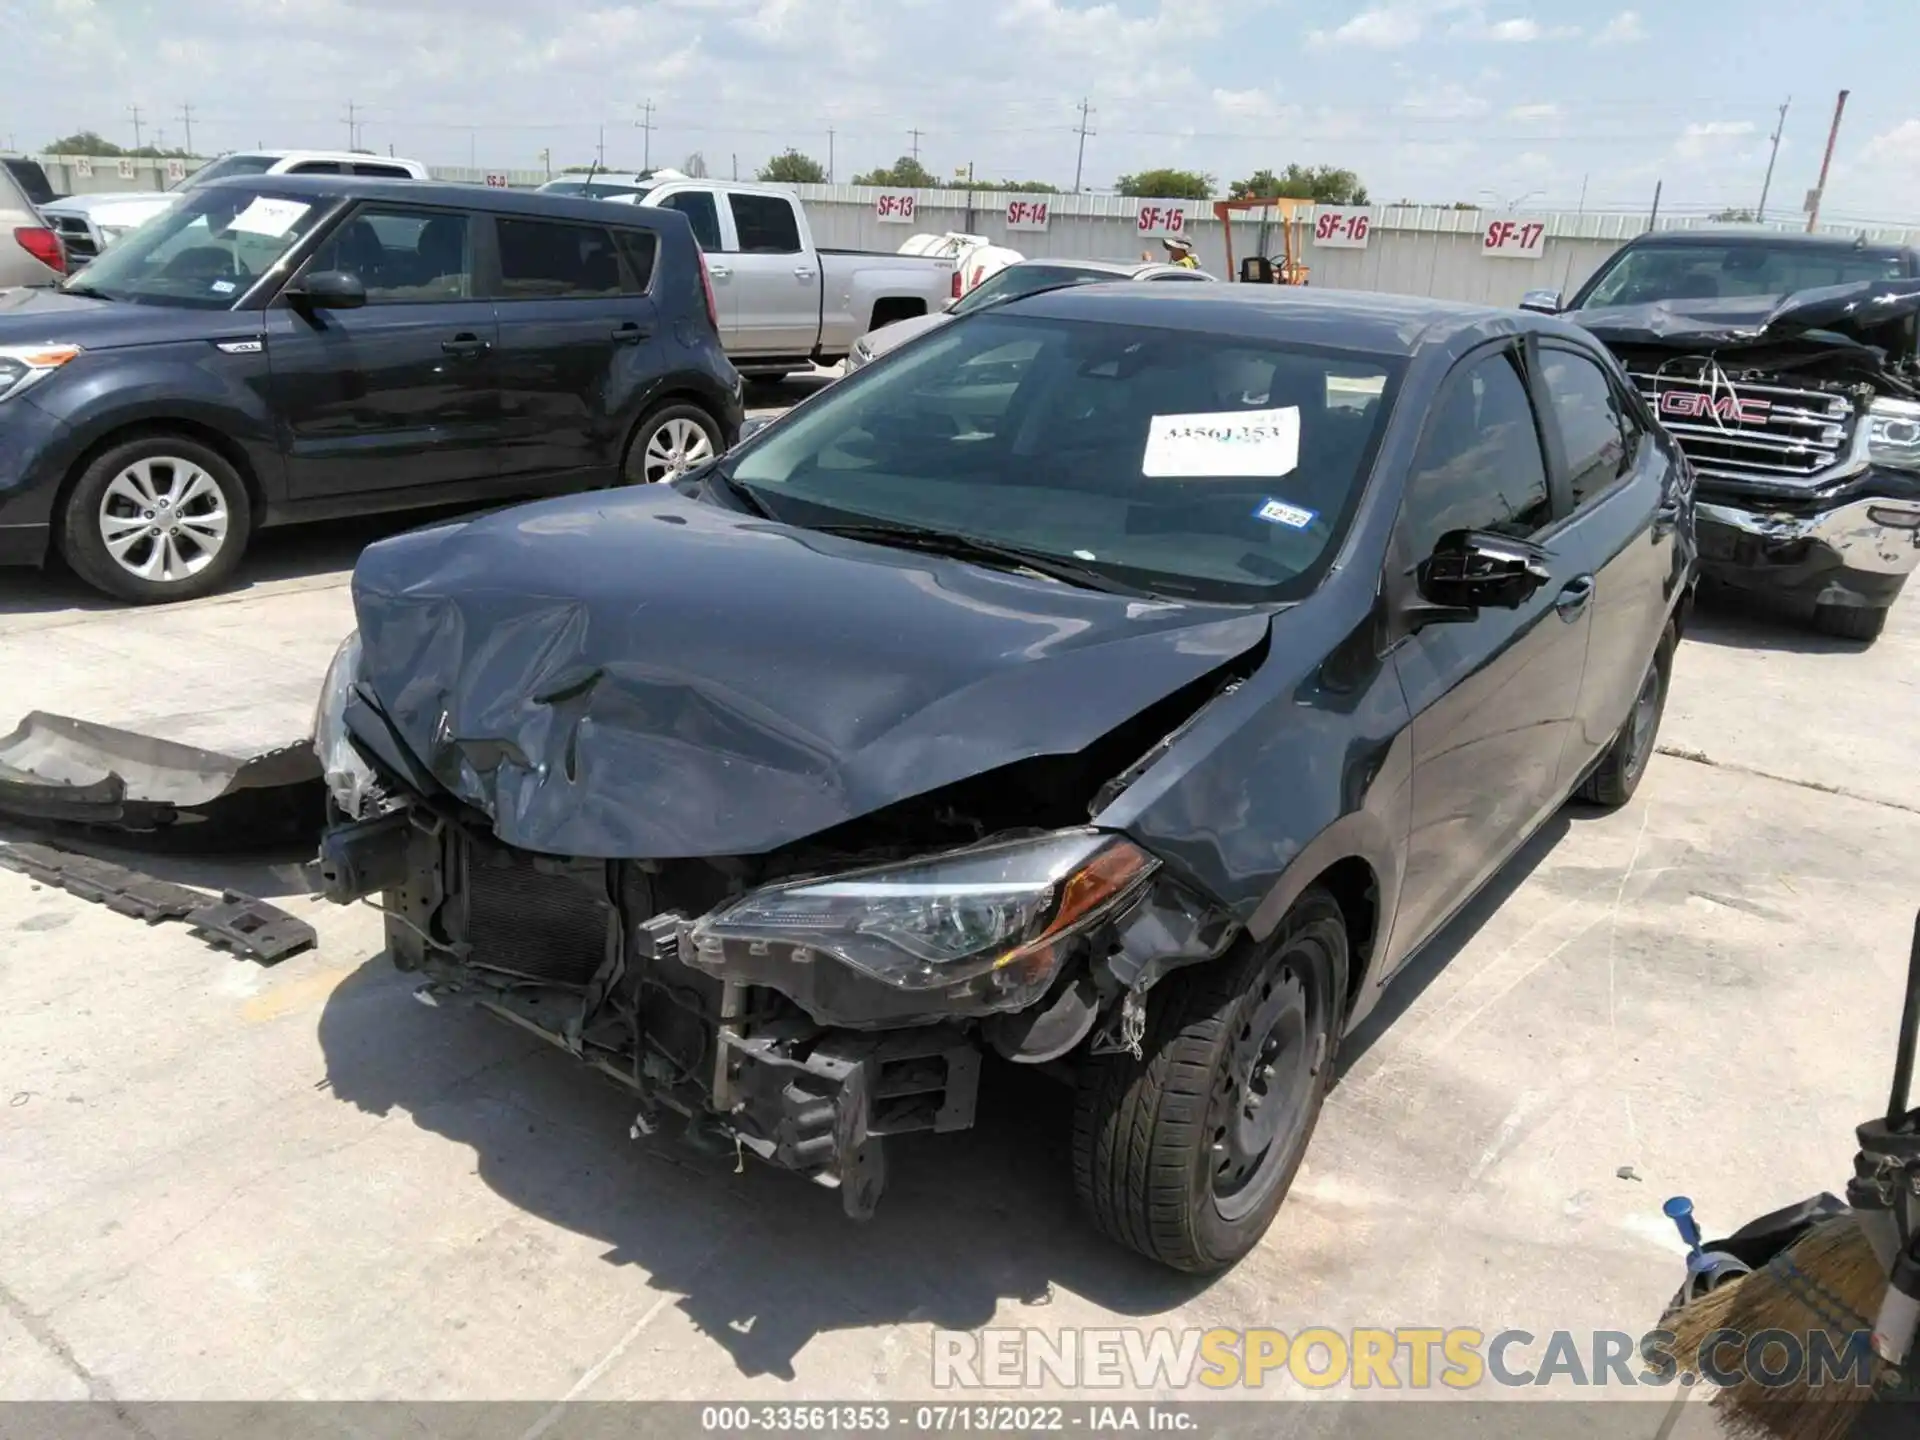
column 1744, row 620
column 760, row 1261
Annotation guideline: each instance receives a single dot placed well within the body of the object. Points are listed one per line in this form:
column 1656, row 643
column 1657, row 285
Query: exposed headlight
column 859, row 356
column 22, row 366
column 1893, row 434
column 989, row 925
column 350, row 781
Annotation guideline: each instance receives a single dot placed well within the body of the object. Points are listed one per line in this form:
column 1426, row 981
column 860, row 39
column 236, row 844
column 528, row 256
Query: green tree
column 1168, row 184
column 1735, row 216
column 1323, row 184
column 84, row 143
column 905, row 172
column 790, row 167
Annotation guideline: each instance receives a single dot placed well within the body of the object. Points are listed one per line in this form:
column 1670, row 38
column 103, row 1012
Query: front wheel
column 1850, row 622
column 158, row 518
column 669, row 442
column 1618, row 774
column 1186, row 1154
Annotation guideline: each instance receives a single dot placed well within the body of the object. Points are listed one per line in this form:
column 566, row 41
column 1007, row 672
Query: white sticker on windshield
column 269, row 217
column 1229, row 442
column 1279, row 512
column 222, row 287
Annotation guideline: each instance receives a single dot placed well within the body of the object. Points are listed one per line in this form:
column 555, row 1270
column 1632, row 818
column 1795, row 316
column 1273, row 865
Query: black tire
column 1154, row 1139
column 662, row 423
column 1619, row 772
column 184, row 558
column 1850, row 622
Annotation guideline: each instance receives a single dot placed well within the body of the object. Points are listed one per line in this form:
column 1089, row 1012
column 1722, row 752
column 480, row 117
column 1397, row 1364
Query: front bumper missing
column 1858, row 553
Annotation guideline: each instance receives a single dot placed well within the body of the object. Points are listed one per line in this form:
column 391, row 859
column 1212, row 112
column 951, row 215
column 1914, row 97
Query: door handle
column 719, row 272
column 630, row 333
column 803, row 272
column 465, row 346
column 1573, row 597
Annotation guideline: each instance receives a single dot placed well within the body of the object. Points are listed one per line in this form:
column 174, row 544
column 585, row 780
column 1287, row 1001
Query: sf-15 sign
column 1514, row 239
column 1165, row 220
column 1341, row 227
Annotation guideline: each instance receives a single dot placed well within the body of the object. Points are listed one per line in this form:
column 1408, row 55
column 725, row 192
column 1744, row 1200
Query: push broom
column 1853, row 1278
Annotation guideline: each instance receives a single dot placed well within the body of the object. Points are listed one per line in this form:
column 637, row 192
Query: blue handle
column 1680, row 1210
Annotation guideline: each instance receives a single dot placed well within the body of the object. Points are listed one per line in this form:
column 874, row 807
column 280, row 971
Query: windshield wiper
column 986, row 552
column 738, row 493
column 80, row 287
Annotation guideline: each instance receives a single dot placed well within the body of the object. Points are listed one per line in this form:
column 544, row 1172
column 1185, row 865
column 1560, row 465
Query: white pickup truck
column 782, row 302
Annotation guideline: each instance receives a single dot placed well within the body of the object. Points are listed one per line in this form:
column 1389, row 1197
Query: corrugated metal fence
column 1414, row 251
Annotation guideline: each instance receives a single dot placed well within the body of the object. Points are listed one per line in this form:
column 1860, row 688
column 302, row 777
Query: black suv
column 294, row 348
column 1125, row 680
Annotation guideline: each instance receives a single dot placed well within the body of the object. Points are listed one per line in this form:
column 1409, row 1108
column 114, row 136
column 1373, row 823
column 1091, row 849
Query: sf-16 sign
column 1341, row 227
column 1514, row 239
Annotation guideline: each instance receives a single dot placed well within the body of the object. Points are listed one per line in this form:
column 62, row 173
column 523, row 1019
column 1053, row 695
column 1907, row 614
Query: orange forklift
column 1264, row 267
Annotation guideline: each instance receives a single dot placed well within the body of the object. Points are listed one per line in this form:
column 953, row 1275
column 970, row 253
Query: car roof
column 1783, row 239
column 431, row 192
column 1370, row 321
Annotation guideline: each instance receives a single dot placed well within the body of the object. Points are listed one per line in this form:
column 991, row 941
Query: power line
column 134, row 111
column 916, row 145
column 646, row 124
column 353, row 139
column 1080, row 154
column 186, row 120
column 1772, row 155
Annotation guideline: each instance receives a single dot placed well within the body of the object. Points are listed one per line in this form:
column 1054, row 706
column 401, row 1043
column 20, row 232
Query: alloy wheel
column 163, row 519
column 677, row 446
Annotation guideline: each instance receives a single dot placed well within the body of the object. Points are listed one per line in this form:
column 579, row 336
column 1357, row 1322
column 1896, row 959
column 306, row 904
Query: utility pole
column 736, row 164
column 1583, row 195
column 134, row 110
column 600, row 152
column 473, row 148
column 186, row 120
column 352, row 127
column 829, row 156
column 1081, row 155
column 546, row 162
column 1820, row 190
column 916, row 145
column 646, row 124
column 1654, row 217
column 1773, row 155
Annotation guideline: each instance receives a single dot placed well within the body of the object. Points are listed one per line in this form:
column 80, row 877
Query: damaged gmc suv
column 1785, row 365
column 1124, row 681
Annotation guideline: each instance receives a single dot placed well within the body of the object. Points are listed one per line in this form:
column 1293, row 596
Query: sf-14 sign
column 1028, row 214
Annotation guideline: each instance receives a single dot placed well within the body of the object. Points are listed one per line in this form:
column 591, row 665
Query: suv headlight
column 989, row 925
column 350, row 781
column 1893, row 434
column 22, row 366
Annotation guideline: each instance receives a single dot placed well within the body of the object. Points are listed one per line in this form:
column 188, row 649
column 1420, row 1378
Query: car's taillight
column 43, row 245
column 956, row 282
column 706, row 288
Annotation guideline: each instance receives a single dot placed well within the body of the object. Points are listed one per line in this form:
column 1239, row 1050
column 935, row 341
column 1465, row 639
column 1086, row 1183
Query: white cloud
column 1623, row 29
column 1383, row 29
column 1446, row 102
column 1546, row 110
column 1253, row 104
column 1514, row 30
column 1711, row 137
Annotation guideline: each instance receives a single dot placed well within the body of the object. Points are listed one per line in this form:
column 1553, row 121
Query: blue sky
column 1508, row 102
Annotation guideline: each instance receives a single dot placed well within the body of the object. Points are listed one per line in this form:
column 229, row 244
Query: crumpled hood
column 892, row 337
column 1753, row 319
column 634, row 673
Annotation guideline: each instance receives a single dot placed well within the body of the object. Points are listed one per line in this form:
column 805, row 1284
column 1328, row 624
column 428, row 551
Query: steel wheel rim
column 675, row 447
column 163, row 519
column 1646, row 712
column 1258, row 1111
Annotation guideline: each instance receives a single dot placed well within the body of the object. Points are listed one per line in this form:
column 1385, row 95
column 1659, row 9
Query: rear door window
column 318, row 167
column 765, row 224
column 700, row 209
column 549, row 260
column 639, row 247
column 385, row 172
column 403, row 255
column 1593, row 423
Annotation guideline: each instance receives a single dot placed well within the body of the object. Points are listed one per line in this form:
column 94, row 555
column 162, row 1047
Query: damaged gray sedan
column 1124, row 682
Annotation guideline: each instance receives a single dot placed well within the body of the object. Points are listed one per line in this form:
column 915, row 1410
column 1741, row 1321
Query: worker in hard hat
column 1180, row 252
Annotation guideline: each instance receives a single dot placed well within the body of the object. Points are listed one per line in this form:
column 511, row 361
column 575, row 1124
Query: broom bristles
column 1829, row 1282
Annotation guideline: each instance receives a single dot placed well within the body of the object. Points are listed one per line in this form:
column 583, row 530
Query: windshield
column 225, row 166
column 1185, row 463
column 1017, row 280
column 598, row 190
column 205, row 251
column 1649, row 273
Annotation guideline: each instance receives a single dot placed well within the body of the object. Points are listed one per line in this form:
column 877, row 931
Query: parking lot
column 226, row 1181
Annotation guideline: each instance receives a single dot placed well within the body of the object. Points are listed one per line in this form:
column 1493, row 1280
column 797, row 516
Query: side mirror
column 1546, row 302
column 1473, row 570
column 328, row 290
column 752, row 426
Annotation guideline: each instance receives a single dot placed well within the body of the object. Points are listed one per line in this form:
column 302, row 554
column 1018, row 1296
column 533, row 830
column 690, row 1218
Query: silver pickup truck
column 782, row 302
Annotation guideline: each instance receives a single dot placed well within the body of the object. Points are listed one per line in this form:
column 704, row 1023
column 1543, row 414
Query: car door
column 702, row 210
column 1620, row 528
column 572, row 321
column 1492, row 698
column 776, row 282
column 401, row 393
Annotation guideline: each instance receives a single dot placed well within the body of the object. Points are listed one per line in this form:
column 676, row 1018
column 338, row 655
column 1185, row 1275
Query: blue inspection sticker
column 1279, row 512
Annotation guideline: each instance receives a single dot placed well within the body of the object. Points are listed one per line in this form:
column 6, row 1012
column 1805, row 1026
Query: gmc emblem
column 1694, row 405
